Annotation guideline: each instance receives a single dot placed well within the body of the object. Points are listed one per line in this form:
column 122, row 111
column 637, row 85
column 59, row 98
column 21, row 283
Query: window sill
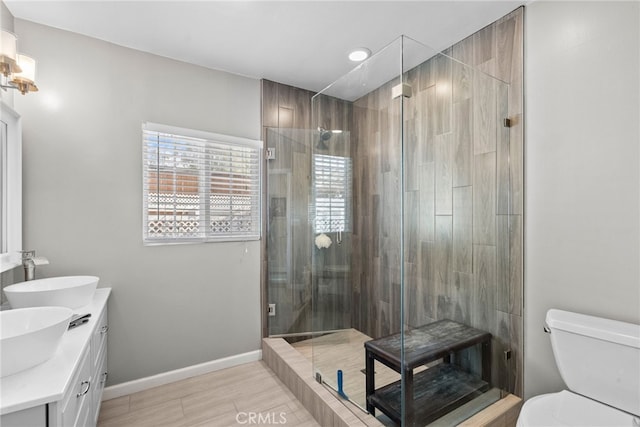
column 163, row 242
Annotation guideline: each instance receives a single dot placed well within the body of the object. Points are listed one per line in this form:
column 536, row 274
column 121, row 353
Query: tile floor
column 223, row 398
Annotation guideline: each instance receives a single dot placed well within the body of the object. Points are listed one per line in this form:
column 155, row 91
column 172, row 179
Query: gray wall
column 582, row 160
column 172, row 306
column 6, row 18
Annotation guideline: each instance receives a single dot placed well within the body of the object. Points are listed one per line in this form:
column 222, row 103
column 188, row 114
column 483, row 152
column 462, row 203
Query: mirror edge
column 13, row 206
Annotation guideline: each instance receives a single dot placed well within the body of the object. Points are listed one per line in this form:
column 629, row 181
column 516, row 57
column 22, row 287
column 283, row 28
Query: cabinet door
column 78, row 396
column 99, row 340
column 84, row 418
column 100, row 379
column 32, row 417
column 99, row 361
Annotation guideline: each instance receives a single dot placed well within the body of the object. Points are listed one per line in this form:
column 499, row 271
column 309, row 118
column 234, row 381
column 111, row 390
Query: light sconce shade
column 18, row 71
column 8, row 52
column 25, row 80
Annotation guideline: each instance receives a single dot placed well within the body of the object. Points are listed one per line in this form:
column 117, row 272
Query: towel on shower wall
column 323, row 241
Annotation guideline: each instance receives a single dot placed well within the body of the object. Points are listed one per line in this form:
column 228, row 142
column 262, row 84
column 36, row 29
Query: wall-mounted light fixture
column 18, row 71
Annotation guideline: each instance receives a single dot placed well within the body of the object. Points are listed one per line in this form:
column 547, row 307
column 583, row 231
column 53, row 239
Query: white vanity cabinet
column 66, row 390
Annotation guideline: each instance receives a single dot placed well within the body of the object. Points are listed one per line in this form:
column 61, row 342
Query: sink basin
column 30, row 336
column 67, row 291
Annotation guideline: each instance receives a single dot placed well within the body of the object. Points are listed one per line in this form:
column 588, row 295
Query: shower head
column 325, row 135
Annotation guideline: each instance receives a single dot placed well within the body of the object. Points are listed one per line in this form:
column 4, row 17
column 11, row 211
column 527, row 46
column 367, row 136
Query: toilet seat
column 569, row 409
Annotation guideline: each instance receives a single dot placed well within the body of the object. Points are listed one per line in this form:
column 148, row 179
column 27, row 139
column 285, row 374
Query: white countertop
column 48, row 381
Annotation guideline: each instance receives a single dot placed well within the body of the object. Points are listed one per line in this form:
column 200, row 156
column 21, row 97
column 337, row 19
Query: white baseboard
column 141, row 384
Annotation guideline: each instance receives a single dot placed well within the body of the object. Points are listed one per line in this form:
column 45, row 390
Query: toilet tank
column 598, row 358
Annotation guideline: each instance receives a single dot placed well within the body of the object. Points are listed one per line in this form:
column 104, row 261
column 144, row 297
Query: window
column 332, row 193
column 199, row 186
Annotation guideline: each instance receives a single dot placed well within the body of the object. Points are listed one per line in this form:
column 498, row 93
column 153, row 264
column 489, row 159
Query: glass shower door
column 370, row 248
column 288, row 234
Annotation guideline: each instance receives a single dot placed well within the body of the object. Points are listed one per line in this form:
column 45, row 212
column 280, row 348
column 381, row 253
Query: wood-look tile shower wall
column 463, row 197
column 463, row 194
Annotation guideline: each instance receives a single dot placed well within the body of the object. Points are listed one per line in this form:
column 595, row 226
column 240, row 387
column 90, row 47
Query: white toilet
column 599, row 361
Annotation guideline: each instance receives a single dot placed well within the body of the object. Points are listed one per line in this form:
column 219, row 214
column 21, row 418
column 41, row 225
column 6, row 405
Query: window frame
column 347, row 177
column 208, row 137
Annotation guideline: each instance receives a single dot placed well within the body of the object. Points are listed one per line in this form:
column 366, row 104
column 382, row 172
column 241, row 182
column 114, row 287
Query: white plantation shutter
column 332, row 193
column 199, row 186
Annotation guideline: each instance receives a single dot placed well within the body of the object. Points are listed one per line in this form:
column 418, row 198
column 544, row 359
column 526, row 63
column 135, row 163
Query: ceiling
column 300, row 43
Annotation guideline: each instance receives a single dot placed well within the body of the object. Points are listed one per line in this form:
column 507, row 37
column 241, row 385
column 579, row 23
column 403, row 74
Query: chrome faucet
column 28, row 264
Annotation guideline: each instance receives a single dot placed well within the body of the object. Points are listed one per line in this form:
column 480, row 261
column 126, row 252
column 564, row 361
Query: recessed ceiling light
column 359, row 54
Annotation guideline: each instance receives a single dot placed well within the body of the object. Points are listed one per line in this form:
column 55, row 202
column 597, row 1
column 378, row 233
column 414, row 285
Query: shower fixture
column 325, row 135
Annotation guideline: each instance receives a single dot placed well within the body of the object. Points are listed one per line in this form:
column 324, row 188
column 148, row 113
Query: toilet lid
column 569, row 409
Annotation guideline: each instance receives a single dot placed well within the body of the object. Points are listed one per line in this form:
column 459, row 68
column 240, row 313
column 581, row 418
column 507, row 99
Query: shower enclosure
column 303, row 167
column 390, row 235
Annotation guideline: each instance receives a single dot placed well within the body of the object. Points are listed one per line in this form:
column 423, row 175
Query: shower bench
column 437, row 390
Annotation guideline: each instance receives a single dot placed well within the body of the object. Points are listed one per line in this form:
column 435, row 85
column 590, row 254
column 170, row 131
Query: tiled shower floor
column 345, row 350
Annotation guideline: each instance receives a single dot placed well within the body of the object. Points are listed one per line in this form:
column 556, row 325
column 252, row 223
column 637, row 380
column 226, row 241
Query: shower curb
column 296, row 372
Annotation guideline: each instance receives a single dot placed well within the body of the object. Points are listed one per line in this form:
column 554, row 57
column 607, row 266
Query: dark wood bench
column 435, row 391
